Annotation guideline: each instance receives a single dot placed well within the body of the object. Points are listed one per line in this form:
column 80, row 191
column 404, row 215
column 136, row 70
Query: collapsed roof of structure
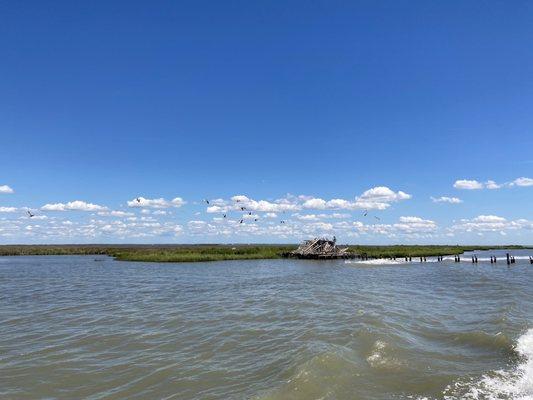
column 320, row 248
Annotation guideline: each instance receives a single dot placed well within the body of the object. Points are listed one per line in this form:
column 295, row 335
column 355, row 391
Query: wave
column 482, row 339
column 382, row 356
column 313, row 379
column 515, row 383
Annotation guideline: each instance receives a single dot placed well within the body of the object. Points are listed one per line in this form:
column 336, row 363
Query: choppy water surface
column 73, row 327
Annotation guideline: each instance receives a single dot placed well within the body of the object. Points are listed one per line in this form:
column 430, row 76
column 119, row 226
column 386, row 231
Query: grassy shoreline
column 217, row 252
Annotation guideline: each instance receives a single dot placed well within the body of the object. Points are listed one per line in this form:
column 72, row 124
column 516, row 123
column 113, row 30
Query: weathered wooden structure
column 320, row 248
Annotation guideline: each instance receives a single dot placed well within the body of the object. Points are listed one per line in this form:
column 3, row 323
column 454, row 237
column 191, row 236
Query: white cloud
column 6, row 189
column 378, row 198
column 8, row 209
column 317, row 217
column 408, row 226
column 160, row 212
column 314, row 203
column 115, row 214
column 384, row 194
column 415, row 225
column 445, row 199
column 76, row 205
column 491, row 223
column 492, row 185
column 522, row 182
column 306, row 217
column 241, row 201
column 466, row 184
column 141, row 202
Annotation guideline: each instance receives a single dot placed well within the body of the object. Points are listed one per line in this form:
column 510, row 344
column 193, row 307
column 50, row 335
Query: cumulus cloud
column 415, row 225
column 115, row 213
column 490, row 184
column 8, row 209
column 141, row 202
column 522, row 182
column 491, row 223
column 317, row 204
column 6, row 189
column 466, row 184
column 445, row 199
column 240, row 201
column 76, row 205
column 380, row 198
column 408, row 226
column 316, row 217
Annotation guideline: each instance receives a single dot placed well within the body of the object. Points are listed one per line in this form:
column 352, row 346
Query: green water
column 72, row 328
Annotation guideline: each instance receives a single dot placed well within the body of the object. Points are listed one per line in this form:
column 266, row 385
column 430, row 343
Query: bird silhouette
column 365, row 213
column 224, row 216
column 379, row 219
column 138, row 199
column 30, row 214
column 243, row 208
column 207, row 201
column 241, row 221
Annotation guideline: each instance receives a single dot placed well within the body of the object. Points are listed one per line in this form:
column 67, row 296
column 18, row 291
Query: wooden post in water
column 508, row 259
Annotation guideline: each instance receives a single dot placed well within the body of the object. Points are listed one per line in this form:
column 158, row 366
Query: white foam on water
column 514, row 384
column 416, row 260
column 379, row 261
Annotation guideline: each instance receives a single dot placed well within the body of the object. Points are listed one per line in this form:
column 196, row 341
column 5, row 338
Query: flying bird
column 243, row 208
column 207, row 201
column 249, row 213
column 30, row 214
column 138, row 199
column 241, row 221
column 224, row 216
column 256, row 220
column 282, row 222
column 365, row 213
column 379, row 219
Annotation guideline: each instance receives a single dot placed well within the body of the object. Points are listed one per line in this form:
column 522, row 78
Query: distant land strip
column 219, row 252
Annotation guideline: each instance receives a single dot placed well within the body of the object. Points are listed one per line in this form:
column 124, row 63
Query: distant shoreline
column 220, row 252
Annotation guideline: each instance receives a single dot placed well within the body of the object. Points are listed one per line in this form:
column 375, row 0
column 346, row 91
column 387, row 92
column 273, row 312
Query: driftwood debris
column 320, row 248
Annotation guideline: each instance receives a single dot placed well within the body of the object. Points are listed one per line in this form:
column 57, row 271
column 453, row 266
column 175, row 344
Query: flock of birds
column 138, row 199
column 365, row 213
column 225, row 215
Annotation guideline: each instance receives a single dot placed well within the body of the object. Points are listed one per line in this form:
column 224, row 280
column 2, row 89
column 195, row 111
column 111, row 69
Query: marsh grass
column 216, row 252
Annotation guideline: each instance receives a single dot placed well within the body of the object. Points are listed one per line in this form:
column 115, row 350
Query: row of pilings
column 457, row 258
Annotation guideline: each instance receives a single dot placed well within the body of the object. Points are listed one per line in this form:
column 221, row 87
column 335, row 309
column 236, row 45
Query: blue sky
column 384, row 105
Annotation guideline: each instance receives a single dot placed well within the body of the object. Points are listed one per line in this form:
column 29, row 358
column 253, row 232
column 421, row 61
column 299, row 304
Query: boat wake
column 515, row 383
column 416, row 260
column 379, row 261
